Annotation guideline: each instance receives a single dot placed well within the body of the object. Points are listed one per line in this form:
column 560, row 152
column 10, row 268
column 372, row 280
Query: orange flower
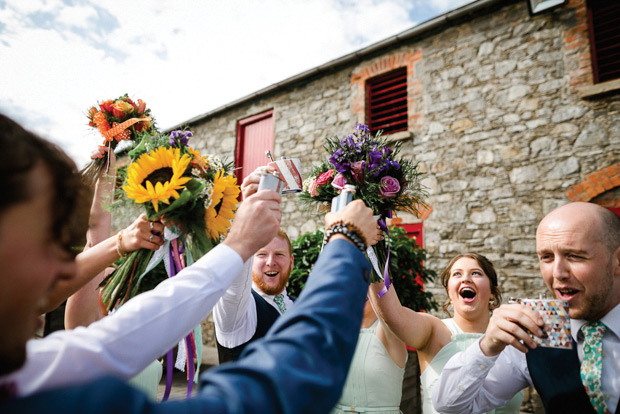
column 120, row 109
column 198, row 161
column 106, row 106
column 141, row 107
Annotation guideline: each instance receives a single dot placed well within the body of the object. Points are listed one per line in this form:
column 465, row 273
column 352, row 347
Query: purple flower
column 389, row 187
column 348, row 141
column 361, row 128
column 339, row 161
column 179, row 137
column 374, row 158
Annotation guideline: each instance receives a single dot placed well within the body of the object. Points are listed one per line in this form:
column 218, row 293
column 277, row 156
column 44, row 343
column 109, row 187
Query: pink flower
column 339, row 181
column 389, row 186
column 313, row 189
column 325, row 177
column 357, row 168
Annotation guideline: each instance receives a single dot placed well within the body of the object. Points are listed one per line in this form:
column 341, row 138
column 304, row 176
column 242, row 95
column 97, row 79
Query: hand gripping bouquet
column 117, row 120
column 195, row 196
column 384, row 181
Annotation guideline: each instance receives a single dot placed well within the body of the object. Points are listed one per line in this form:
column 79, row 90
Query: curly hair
column 20, row 152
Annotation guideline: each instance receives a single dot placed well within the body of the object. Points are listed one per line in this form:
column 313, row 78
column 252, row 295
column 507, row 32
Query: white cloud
column 182, row 58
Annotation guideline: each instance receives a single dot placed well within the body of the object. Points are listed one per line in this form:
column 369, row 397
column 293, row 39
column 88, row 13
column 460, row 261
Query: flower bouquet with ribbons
column 117, row 120
column 385, row 182
column 195, row 196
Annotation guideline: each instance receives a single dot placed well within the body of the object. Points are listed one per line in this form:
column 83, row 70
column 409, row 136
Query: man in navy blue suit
column 299, row 366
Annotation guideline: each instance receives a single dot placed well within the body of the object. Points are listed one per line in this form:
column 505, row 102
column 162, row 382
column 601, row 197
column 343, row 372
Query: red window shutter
column 254, row 136
column 386, row 102
column 603, row 21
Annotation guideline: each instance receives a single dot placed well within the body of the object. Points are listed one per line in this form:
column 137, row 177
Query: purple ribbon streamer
column 190, row 363
column 176, row 267
column 169, row 361
column 386, row 274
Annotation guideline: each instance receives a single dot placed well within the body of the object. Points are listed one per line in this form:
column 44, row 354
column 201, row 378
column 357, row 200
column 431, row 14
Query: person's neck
column 368, row 319
column 477, row 325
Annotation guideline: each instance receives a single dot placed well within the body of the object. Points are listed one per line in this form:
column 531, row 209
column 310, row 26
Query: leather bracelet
column 119, row 249
column 350, row 231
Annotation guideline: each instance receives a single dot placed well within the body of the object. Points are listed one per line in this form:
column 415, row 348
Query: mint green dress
column 374, row 383
column 430, row 376
column 148, row 379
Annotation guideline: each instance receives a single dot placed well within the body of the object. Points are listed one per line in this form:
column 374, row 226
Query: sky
column 182, row 57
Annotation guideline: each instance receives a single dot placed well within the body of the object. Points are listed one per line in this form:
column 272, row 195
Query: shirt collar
column 611, row 321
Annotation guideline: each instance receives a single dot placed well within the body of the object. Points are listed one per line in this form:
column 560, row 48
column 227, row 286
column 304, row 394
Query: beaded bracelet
column 350, row 231
column 119, row 249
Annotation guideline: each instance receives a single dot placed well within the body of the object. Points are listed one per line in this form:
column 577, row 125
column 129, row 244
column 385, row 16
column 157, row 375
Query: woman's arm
column 393, row 344
column 415, row 329
column 82, row 305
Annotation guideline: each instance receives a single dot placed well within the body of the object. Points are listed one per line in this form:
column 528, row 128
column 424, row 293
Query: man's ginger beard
column 284, row 275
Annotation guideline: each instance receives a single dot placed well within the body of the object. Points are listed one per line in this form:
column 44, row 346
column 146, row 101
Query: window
column 603, row 21
column 254, row 137
column 386, row 102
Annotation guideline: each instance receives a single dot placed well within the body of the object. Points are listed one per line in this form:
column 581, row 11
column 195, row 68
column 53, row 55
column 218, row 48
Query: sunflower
column 156, row 176
column 223, row 204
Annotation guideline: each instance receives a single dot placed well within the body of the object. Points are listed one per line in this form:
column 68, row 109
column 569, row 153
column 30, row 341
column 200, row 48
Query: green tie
column 592, row 364
column 279, row 300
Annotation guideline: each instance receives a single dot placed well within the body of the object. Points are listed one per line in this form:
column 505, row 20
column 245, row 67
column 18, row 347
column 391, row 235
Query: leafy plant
column 407, row 270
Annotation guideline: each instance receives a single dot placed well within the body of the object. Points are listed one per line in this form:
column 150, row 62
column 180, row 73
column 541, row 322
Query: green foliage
column 306, row 251
column 406, row 268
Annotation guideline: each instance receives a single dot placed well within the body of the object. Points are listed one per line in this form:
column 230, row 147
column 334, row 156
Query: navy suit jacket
column 300, row 366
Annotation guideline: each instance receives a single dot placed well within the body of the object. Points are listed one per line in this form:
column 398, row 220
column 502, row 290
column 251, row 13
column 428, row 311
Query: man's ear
column 616, row 262
column 292, row 261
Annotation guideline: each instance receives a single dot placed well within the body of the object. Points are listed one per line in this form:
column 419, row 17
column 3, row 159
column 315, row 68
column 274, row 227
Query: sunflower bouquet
column 117, row 120
column 195, row 196
column 384, row 182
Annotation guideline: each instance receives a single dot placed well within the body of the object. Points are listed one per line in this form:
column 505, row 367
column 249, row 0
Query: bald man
column 578, row 247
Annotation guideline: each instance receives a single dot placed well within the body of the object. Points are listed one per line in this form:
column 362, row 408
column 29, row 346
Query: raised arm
column 301, row 364
column 393, row 344
column 490, row 372
column 236, row 307
column 416, row 329
column 144, row 328
column 82, row 306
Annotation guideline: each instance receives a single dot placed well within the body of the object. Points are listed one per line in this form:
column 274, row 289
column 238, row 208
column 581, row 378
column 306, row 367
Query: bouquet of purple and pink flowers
column 382, row 180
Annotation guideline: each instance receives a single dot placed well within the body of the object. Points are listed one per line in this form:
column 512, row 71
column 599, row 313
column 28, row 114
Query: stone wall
column 496, row 122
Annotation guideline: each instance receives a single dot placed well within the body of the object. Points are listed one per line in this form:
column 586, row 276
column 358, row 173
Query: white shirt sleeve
column 234, row 315
column 474, row 383
column 144, row 329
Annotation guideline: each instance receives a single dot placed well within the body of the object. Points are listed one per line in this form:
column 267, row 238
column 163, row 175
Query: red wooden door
column 254, row 137
column 414, row 231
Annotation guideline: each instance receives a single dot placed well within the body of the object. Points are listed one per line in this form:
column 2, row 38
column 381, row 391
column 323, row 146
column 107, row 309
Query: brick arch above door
column 601, row 187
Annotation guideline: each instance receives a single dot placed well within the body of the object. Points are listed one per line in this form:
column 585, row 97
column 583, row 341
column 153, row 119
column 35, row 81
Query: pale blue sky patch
column 69, row 55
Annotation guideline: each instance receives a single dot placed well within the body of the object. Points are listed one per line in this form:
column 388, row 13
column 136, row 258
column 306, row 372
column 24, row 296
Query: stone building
column 509, row 115
column 506, row 112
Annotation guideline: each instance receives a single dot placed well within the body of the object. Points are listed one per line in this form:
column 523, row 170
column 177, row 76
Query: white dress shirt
column 234, row 315
column 142, row 330
column 473, row 382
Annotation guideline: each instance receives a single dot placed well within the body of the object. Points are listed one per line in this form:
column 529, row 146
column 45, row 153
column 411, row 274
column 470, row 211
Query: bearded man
column 248, row 308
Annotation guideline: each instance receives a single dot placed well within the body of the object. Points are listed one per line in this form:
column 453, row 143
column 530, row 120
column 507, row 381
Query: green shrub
column 406, row 268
